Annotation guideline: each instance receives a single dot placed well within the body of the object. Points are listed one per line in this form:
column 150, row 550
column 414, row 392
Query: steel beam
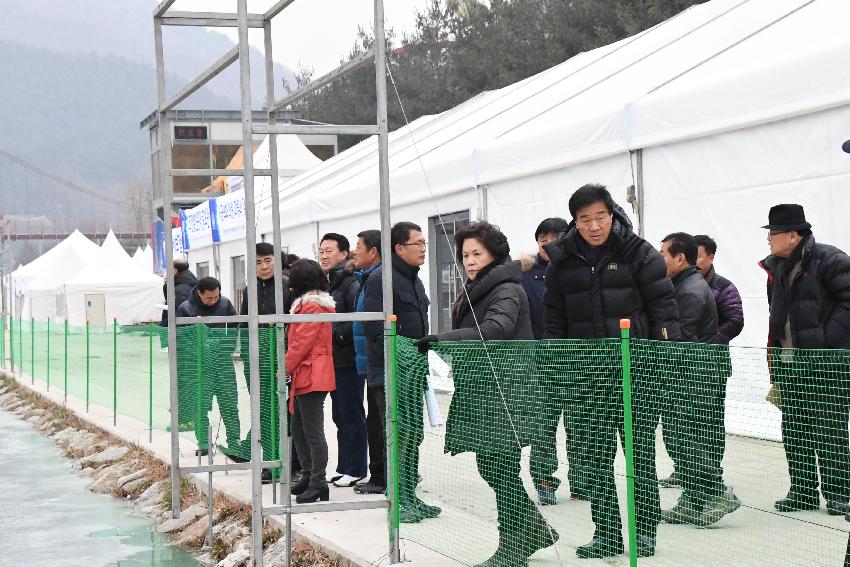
column 283, row 318
column 344, row 506
column 328, row 78
column 277, row 8
column 167, row 191
column 386, row 254
column 210, row 19
column 351, row 129
column 208, row 172
column 228, row 467
column 162, row 8
column 200, row 81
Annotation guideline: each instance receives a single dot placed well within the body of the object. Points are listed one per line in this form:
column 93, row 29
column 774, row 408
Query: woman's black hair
column 306, row 275
column 487, row 234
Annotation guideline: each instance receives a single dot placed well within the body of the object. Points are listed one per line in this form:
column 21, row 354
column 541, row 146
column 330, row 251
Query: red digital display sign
column 190, row 132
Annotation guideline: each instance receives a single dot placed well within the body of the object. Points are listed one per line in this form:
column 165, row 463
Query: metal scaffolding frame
column 243, row 21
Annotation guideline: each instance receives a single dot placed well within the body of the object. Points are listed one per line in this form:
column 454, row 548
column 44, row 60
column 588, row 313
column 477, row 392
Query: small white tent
column 115, row 287
column 76, row 241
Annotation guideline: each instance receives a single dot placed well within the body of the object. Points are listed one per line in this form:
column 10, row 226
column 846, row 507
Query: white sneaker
column 347, row 481
column 333, row 477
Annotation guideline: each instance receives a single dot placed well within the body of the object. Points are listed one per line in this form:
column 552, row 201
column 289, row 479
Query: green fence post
column 48, row 355
column 88, row 365
column 150, row 382
column 198, row 388
column 273, row 395
column 3, row 340
column 65, row 402
column 625, row 347
column 32, row 350
column 12, row 343
column 114, row 371
column 21, row 344
column 393, row 516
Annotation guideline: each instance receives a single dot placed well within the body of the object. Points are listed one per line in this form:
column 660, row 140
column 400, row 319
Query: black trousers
column 693, row 426
column 544, row 452
column 516, row 512
column 349, row 415
column 815, row 408
column 376, row 425
column 308, row 435
column 598, row 409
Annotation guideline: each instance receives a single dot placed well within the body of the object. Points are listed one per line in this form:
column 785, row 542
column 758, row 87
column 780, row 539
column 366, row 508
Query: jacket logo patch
column 612, row 267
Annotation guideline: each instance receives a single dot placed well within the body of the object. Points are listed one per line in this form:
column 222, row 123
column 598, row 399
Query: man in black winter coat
column 600, row 272
column 269, row 405
column 410, row 305
column 184, row 282
column 692, row 415
column 348, row 412
column 213, row 346
column 808, row 290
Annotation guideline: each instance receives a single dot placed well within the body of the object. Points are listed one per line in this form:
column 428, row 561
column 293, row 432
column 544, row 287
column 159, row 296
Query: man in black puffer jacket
column 410, row 305
column 693, row 413
column 184, row 282
column 808, row 290
column 600, row 272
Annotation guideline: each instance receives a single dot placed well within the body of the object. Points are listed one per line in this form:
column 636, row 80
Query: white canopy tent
column 127, row 293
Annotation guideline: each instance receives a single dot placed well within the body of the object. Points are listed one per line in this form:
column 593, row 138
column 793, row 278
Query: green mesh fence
column 124, row 369
column 532, row 452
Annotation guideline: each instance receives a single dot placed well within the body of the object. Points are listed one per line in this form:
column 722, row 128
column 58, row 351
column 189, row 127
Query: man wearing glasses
column 410, row 305
column 808, row 291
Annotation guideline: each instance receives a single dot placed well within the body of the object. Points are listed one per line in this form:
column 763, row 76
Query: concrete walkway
column 465, row 533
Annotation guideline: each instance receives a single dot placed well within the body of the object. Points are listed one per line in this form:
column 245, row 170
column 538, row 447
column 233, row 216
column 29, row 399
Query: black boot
column 300, row 486
column 600, row 547
column 313, row 495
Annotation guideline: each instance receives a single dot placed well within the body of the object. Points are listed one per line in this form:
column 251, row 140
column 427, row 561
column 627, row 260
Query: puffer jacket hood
column 623, row 238
column 309, row 351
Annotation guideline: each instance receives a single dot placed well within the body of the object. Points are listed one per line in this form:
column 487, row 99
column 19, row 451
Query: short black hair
column 341, row 241
column 208, row 283
column 401, row 232
column 181, row 264
column 587, row 195
column 372, row 239
column 493, row 239
column 706, row 242
column 682, row 243
column 306, row 275
column 265, row 249
column 290, row 259
column 552, row 225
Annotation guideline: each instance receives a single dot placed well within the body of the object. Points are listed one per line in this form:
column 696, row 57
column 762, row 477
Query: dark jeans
column 815, row 407
column 516, row 512
column 349, row 415
column 693, row 428
column 376, row 428
column 308, row 434
column 544, row 453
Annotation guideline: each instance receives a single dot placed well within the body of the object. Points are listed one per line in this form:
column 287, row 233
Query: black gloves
column 424, row 344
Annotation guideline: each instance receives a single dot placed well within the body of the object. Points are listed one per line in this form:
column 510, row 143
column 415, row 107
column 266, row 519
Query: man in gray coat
column 693, row 416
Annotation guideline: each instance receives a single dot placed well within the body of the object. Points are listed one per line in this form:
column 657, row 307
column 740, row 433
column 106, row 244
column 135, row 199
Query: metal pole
column 198, row 388
column 48, row 354
column 114, row 371
column 386, row 249
column 167, row 195
column 65, row 352
column 150, row 383
column 209, row 491
column 625, row 347
column 392, row 453
column 88, row 366
column 251, row 260
column 284, row 448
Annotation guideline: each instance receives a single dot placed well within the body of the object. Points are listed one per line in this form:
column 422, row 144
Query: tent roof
column 76, row 241
column 721, row 65
column 112, row 248
column 102, row 275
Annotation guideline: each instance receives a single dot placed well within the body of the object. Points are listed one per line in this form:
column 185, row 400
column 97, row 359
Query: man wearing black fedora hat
column 808, row 291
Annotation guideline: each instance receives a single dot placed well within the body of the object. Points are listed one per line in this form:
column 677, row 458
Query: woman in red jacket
column 309, row 361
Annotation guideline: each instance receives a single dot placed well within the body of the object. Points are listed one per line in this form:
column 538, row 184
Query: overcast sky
column 316, row 33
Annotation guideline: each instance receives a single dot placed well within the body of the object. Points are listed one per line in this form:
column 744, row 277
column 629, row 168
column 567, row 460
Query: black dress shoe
column 794, row 503
column 314, row 495
column 301, row 486
column 202, row 452
column 837, row 508
column 598, row 548
column 645, row 546
column 266, row 477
